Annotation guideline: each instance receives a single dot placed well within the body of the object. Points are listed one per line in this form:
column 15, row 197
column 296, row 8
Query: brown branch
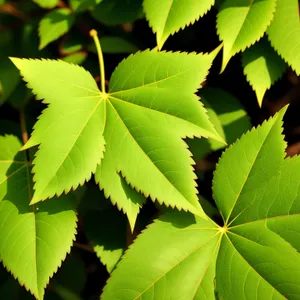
column 10, row 9
column 23, row 126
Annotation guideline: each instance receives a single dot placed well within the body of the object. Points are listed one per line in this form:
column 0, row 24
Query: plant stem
column 23, row 126
column 94, row 35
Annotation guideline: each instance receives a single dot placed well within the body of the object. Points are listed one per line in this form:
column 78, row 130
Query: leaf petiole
column 94, row 35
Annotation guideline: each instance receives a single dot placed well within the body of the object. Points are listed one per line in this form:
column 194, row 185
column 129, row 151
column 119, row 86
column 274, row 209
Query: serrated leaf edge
column 225, row 63
column 191, row 22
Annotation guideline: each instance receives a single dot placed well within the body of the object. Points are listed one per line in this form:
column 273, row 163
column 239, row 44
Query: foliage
column 87, row 163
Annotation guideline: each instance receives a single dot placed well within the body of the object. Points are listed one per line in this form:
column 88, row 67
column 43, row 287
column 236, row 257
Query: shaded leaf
column 114, row 44
column 228, row 116
column 46, row 3
column 284, row 31
column 77, row 58
column 116, row 12
column 262, row 67
column 33, row 239
column 241, row 23
column 167, row 16
column 55, row 24
column 9, row 78
column 106, row 232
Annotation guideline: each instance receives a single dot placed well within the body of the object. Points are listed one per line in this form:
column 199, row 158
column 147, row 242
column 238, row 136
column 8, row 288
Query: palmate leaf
column 168, row 16
column 150, row 106
column 241, row 23
column 54, row 25
column 33, row 239
column 262, row 67
column 255, row 255
column 284, row 31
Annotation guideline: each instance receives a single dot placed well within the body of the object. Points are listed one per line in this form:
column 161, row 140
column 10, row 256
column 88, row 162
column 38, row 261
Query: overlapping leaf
column 106, row 232
column 284, row 31
column 168, row 16
column 54, row 25
column 240, row 23
column 228, row 116
column 33, row 239
column 150, row 106
column 262, row 67
column 254, row 256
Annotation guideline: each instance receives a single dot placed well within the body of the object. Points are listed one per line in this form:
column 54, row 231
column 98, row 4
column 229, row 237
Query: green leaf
column 46, row 3
column 116, row 12
column 77, row 58
column 241, row 23
column 9, row 78
column 284, row 31
column 55, row 24
column 66, row 277
column 167, row 16
column 227, row 115
column 115, row 44
column 33, row 239
column 82, row 5
column 255, row 255
column 262, row 67
column 136, row 123
column 175, row 248
column 106, row 231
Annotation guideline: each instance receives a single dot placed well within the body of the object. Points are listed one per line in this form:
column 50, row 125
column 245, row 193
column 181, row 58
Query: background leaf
column 116, row 12
column 284, row 31
column 106, row 231
column 46, row 3
column 33, row 239
column 241, row 23
column 262, row 67
column 9, row 77
column 228, row 116
column 54, row 25
column 167, row 16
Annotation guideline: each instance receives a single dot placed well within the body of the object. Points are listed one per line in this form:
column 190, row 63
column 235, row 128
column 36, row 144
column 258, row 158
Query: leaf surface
column 54, row 25
column 159, row 262
column 169, row 16
column 262, row 67
column 33, row 239
column 106, row 232
column 227, row 115
column 241, row 23
column 116, row 12
column 284, row 31
column 46, row 3
column 150, row 107
column 255, row 255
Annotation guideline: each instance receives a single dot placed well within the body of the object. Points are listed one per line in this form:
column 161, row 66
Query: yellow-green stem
column 94, row 35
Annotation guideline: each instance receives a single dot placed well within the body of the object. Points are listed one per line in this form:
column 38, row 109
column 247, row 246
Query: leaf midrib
column 180, row 261
column 248, row 263
column 246, row 179
column 157, row 81
column 79, row 134
column 149, row 158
